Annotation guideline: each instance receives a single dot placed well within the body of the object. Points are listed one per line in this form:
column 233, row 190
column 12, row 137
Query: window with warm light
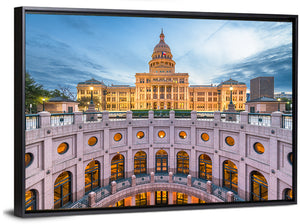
column 161, row 161
column 205, row 137
column 28, row 159
column 182, row 162
column 117, row 167
column 63, row 148
column 30, row 200
column 92, row 176
column 92, row 141
column 205, row 167
column 140, row 135
column 141, row 199
column 259, row 187
column 230, row 176
column 259, row 148
column 182, row 134
column 140, row 163
column 62, row 190
column 161, row 134
column 229, row 140
column 118, row 137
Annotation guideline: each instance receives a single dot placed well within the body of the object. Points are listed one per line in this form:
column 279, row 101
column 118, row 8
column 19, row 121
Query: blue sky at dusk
column 67, row 49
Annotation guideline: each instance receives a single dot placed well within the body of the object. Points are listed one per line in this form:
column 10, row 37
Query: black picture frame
column 19, row 104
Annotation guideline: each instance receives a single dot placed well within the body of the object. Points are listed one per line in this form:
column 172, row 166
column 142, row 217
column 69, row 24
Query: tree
column 85, row 101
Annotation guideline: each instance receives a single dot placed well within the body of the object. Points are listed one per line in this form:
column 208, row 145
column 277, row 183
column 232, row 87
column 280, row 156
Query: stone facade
column 163, row 88
column 47, row 164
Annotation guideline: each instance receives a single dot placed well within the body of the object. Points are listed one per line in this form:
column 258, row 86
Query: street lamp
column 91, row 88
column 43, row 104
column 278, row 104
column 231, row 88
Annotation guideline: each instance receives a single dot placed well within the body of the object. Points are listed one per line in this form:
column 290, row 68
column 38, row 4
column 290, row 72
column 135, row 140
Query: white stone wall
column 48, row 164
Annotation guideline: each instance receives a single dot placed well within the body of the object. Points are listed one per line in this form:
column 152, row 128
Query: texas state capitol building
column 163, row 88
column 132, row 161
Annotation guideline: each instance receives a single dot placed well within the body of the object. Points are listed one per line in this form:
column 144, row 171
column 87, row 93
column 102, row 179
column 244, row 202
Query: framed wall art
column 123, row 110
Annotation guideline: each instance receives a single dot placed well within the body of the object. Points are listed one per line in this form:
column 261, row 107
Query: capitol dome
column 162, row 46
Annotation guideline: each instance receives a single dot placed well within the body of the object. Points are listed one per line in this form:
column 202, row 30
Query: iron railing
column 161, row 114
column 233, row 117
column 62, row 119
column 117, row 115
column 140, row 114
column 208, row 116
column 259, row 119
column 182, row 114
column 287, row 121
column 32, row 121
column 92, row 117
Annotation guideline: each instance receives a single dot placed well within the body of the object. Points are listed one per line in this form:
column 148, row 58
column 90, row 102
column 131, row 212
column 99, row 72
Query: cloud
column 275, row 62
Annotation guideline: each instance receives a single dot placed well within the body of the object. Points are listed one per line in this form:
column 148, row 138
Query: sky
column 62, row 50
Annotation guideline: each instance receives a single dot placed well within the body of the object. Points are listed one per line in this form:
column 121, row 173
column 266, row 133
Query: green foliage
column 35, row 93
column 85, row 101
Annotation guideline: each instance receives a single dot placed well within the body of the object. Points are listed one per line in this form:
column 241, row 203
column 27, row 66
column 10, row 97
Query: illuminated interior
column 92, row 176
column 182, row 134
column 259, row 187
column 117, row 167
column 92, row 141
column 230, row 176
column 118, row 137
column 205, row 137
column 28, row 159
column 30, row 200
column 161, row 161
column 229, row 141
column 259, row 148
column 161, row 134
column 140, row 134
column 62, row 190
column 205, row 167
column 140, row 163
column 62, row 148
column 183, row 162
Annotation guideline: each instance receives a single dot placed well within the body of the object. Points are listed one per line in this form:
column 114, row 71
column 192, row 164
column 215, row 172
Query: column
column 170, row 197
column 151, row 158
column 158, row 97
column 79, row 185
column 152, row 198
column 272, row 183
column 106, row 167
column 216, row 166
column 133, row 200
column 171, row 156
column 48, row 186
column 44, row 119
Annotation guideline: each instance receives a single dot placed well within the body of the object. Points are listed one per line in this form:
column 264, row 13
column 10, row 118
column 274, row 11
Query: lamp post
column 43, row 104
column 91, row 88
column 231, row 88
column 278, row 104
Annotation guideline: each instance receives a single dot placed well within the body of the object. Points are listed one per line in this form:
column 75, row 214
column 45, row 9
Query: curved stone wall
column 47, row 164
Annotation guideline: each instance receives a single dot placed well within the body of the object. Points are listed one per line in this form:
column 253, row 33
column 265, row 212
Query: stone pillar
column 152, row 198
column 170, row 177
column 229, row 196
column 133, row 181
column 244, row 117
column 44, row 119
column 152, row 178
column 170, row 197
column 276, row 119
column 78, row 117
column 46, row 201
column 113, row 187
column 172, row 115
column 193, row 115
column 133, row 200
column 129, row 115
column 189, row 199
column 217, row 116
column 189, row 180
column 105, row 116
column 92, row 199
column 151, row 114
column 209, row 187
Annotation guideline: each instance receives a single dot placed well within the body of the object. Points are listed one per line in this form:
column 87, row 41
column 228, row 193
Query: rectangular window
column 181, row 96
column 142, row 80
column 162, row 96
column 201, row 94
column 113, row 99
column 209, row 93
column 181, row 89
column 181, row 81
column 82, row 92
column 241, row 92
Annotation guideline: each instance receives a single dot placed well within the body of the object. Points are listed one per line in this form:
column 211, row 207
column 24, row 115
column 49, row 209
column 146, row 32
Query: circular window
column 62, row 148
column 205, row 137
column 161, row 134
column 92, row 141
column 28, row 159
column 229, row 141
column 118, row 137
column 290, row 158
column 259, row 148
column 140, row 134
column 182, row 134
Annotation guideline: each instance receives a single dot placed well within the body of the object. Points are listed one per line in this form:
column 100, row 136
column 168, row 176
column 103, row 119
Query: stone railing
column 45, row 119
column 96, row 196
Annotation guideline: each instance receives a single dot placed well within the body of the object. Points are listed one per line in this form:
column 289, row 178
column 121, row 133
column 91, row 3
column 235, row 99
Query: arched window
column 259, row 187
column 161, row 161
column 30, row 200
column 288, row 194
column 140, row 163
column 117, row 167
column 62, row 190
column 181, row 198
column 205, row 167
column 92, row 176
column 230, row 176
column 120, row 203
column 161, row 198
column 141, row 199
column 182, row 162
